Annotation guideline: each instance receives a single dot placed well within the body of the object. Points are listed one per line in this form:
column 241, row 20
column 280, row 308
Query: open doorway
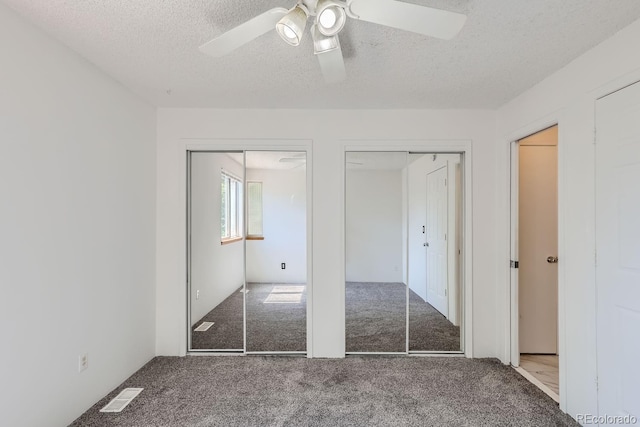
column 535, row 249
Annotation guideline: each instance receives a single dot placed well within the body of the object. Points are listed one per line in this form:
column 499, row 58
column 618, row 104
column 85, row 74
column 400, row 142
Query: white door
column 537, row 241
column 437, row 221
column 618, row 251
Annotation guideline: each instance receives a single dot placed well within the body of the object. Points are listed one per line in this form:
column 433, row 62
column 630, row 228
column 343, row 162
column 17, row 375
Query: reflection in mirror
column 434, row 200
column 216, row 253
column 276, row 251
column 376, row 292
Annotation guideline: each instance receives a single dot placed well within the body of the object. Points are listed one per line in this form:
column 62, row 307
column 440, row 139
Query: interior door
column 537, row 241
column 618, row 251
column 437, row 223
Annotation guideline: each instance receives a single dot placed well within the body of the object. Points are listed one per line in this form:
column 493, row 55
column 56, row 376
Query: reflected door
column 434, row 234
column 437, row 240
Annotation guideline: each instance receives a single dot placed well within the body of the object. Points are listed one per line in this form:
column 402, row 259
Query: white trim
column 186, row 145
column 513, row 252
column 427, row 146
column 208, row 353
column 375, row 353
column 439, row 354
column 277, row 353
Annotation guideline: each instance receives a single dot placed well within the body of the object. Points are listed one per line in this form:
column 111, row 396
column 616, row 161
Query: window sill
column 255, row 237
column 231, row 240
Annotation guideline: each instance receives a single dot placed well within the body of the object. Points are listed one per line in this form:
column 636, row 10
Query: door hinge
column 515, row 264
column 445, row 292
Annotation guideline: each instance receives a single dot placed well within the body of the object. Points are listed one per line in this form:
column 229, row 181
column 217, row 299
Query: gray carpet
column 429, row 330
column 357, row 391
column 280, row 325
column 375, row 321
column 227, row 331
column 376, row 317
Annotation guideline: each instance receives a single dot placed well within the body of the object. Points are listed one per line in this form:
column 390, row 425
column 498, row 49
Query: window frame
column 231, row 216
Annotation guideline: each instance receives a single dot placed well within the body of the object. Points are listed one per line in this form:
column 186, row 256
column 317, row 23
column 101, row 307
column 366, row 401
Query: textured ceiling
column 151, row 46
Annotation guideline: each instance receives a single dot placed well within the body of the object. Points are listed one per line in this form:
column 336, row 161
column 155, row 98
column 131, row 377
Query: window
column 230, row 208
column 254, row 210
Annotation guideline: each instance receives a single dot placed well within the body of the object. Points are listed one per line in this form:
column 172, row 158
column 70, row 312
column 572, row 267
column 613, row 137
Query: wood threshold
column 255, row 237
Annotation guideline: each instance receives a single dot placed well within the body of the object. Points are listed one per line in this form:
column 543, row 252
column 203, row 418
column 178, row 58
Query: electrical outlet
column 283, row 266
column 83, row 362
column 198, row 294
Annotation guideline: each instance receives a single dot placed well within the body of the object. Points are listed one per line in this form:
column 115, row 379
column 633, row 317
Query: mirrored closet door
column 216, row 250
column 247, row 251
column 403, row 225
column 276, row 251
column 434, row 252
column 376, row 290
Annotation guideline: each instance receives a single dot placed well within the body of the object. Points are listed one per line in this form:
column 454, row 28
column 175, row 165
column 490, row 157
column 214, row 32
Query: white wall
column 284, row 213
column 568, row 98
column 77, row 229
column 178, row 128
column 216, row 270
column 374, row 226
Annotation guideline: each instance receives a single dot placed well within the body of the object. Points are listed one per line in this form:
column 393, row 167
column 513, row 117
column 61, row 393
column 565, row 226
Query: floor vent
column 204, row 326
column 121, row 401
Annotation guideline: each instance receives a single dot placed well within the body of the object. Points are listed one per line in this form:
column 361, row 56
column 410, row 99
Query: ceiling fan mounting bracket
column 302, row 4
column 310, row 7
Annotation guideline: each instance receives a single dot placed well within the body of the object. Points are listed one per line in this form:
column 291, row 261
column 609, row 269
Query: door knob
column 552, row 259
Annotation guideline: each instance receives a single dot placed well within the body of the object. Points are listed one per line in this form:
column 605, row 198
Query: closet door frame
column 463, row 147
column 189, row 146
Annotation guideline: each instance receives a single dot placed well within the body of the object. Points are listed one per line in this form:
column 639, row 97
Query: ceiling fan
column 328, row 19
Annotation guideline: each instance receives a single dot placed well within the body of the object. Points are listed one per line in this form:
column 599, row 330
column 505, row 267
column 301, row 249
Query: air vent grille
column 120, row 402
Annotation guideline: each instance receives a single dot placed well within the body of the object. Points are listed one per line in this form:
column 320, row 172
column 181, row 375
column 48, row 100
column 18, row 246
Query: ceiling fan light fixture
column 330, row 17
column 292, row 25
column 322, row 43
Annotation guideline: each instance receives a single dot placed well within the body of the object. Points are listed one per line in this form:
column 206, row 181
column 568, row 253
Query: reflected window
column 254, row 209
column 230, row 207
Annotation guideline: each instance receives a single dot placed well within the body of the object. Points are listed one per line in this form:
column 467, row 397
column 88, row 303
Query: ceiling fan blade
column 244, row 33
column 424, row 20
column 332, row 65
